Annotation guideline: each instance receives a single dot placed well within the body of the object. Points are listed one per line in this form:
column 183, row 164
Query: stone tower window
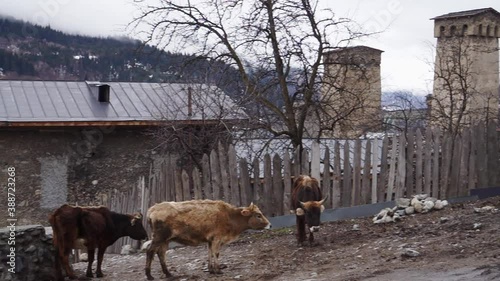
column 453, row 30
column 496, row 32
column 464, row 29
column 488, row 31
column 480, row 33
column 441, row 31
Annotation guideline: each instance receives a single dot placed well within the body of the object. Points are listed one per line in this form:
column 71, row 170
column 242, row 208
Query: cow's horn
column 301, row 203
column 138, row 216
column 323, row 200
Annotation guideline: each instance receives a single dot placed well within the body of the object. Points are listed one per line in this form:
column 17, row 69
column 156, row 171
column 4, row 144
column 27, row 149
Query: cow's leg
column 66, row 265
column 91, row 254
column 213, row 266
column 100, row 256
column 311, row 238
column 150, row 254
column 162, row 253
column 301, row 229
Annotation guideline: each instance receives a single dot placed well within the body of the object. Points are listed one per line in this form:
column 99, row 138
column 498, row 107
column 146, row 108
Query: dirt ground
column 455, row 243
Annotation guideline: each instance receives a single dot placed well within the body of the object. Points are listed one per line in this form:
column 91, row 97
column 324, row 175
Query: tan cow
column 199, row 221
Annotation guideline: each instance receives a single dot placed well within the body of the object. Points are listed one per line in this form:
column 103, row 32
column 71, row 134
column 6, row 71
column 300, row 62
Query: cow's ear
column 299, row 212
column 246, row 212
column 252, row 206
column 322, row 208
column 135, row 218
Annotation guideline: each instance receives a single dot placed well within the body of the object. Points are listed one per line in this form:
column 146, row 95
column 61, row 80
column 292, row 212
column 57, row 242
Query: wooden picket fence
column 442, row 166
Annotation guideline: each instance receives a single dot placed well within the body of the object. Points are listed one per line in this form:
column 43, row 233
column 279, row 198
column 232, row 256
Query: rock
column 403, row 202
column 396, row 217
column 485, row 209
column 95, row 182
column 428, row 205
column 30, row 249
column 401, row 213
column 127, row 250
column 438, row 205
column 419, row 207
column 145, row 245
column 84, row 257
column 410, row 253
column 410, row 210
column 477, row 225
column 421, row 196
column 355, row 227
column 443, row 219
column 432, row 199
column 414, row 201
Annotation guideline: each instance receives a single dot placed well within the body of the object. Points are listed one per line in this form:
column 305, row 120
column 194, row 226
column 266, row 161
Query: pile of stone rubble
column 420, row 203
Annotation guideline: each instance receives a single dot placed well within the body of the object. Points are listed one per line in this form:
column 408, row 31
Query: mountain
column 30, row 51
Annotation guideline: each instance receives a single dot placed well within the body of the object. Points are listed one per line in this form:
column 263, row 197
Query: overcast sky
column 406, row 41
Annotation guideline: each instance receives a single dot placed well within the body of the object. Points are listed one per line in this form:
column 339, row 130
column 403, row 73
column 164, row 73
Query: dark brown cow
column 307, row 204
column 199, row 221
column 98, row 227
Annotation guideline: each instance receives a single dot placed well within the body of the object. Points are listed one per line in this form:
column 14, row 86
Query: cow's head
column 257, row 220
column 312, row 211
column 136, row 229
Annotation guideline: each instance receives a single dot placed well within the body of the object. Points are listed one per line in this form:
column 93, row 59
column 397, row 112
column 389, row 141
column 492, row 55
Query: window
column 464, row 29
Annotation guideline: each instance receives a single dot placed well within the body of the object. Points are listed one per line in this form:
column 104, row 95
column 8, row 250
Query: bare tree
column 404, row 112
column 276, row 47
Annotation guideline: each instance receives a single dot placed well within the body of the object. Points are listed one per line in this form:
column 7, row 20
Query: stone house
column 466, row 78
column 351, row 90
column 70, row 141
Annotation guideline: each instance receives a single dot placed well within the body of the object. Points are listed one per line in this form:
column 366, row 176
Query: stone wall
column 30, row 258
column 74, row 165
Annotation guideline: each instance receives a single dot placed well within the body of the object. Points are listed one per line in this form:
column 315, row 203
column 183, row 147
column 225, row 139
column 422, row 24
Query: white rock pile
column 420, row 203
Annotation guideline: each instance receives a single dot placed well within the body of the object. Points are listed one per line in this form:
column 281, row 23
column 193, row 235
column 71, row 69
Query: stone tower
column 466, row 73
column 351, row 90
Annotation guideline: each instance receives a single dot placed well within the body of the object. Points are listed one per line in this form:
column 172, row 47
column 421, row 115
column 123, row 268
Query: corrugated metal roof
column 76, row 101
column 468, row 13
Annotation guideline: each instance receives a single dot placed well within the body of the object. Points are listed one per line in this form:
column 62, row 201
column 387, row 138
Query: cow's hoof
column 99, row 275
column 89, row 275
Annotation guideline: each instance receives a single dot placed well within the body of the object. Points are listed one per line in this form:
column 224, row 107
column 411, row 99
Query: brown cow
column 308, row 206
column 194, row 222
column 98, row 227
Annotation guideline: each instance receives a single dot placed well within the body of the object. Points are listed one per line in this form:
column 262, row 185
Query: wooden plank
column 401, row 168
column 374, row 170
column 224, row 174
column 326, row 180
column 186, row 189
column 464, row 164
column 365, row 179
column 197, row 187
column 356, row 175
column 337, row 177
column 206, row 182
column 233, row 177
column 215, row 175
column 268, row 186
column 493, row 161
column 435, row 163
column 171, row 177
column 428, row 161
column 482, row 160
column 392, row 169
column 257, row 187
column 347, row 179
column 245, row 187
column 410, row 160
column 315, row 160
column 384, row 171
column 287, row 182
column 179, row 196
column 455, row 168
column 419, row 156
column 277, row 191
column 445, row 166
